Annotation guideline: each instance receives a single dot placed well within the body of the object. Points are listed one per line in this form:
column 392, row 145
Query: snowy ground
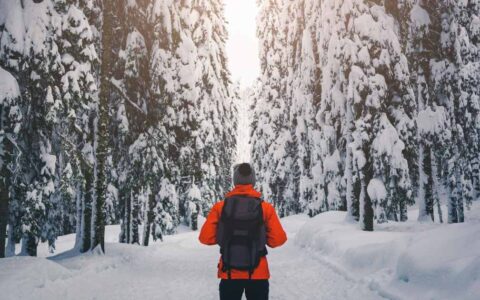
column 180, row 268
column 408, row 260
column 329, row 259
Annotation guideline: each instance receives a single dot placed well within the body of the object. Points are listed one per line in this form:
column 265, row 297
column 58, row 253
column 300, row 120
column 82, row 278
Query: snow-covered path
column 180, row 268
column 298, row 275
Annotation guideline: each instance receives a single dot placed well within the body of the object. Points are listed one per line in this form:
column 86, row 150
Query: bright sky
column 242, row 45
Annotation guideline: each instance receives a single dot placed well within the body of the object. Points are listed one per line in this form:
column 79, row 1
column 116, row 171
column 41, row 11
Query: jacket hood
column 244, row 189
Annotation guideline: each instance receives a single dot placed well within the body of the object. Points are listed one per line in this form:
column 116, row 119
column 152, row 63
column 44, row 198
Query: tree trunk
column 78, row 213
column 148, row 219
column 4, row 200
column 422, row 205
column 460, row 205
column 476, row 178
column 29, row 245
column 5, row 182
column 452, row 199
column 10, row 242
column 126, row 220
column 86, row 228
column 403, row 211
column 439, row 210
column 366, row 209
column 134, row 218
column 352, row 211
column 428, row 183
column 436, row 186
column 98, row 232
column 194, row 218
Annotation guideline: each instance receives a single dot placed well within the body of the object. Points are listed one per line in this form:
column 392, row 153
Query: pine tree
column 74, row 132
column 10, row 122
column 148, row 158
column 166, row 210
column 460, row 79
column 134, row 83
column 423, row 37
column 270, row 133
column 216, row 118
column 98, row 213
column 382, row 100
column 31, row 51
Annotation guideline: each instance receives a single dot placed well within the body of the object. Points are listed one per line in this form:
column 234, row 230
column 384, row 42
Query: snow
column 331, row 162
column 8, row 86
column 388, row 142
column 376, row 190
column 408, row 260
column 179, row 268
column 324, row 258
column 194, row 192
column 453, row 272
column 420, row 18
column 432, row 121
column 50, row 162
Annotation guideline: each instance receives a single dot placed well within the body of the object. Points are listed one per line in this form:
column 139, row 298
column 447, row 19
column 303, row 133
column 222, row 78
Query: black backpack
column 241, row 234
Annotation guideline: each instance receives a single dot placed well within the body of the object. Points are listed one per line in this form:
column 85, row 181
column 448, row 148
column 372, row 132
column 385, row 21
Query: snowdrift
column 401, row 260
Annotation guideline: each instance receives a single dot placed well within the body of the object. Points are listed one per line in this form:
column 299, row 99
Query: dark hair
column 245, row 169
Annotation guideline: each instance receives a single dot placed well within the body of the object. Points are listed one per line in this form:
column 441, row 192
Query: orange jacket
column 275, row 234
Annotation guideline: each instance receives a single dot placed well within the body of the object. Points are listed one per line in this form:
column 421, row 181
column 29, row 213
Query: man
column 241, row 225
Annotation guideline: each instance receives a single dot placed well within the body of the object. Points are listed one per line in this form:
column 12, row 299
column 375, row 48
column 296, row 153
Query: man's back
column 275, row 234
column 235, row 282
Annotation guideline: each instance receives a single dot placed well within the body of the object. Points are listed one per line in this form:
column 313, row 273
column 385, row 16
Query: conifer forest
column 120, row 121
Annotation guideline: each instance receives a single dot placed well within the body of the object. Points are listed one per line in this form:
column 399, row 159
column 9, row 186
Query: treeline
column 111, row 112
column 369, row 106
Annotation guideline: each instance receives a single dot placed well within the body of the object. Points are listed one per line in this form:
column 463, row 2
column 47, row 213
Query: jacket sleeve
column 208, row 234
column 276, row 236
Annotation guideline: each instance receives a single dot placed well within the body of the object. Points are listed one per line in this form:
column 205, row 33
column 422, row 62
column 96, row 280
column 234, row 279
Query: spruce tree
column 166, row 210
column 216, row 118
column 270, row 133
column 460, row 79
column 101, row 151
column 10, row 123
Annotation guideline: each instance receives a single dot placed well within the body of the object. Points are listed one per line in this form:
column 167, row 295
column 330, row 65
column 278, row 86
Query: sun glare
column 242, row 45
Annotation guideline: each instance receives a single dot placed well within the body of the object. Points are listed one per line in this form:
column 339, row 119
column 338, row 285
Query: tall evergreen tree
column 10, row 122
column 215, row 135
column 460, row 87
column 270, row 133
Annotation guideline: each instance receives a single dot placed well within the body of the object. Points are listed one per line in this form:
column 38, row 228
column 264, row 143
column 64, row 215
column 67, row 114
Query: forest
column 370, row 107
column 117, row 115
column 127, row 114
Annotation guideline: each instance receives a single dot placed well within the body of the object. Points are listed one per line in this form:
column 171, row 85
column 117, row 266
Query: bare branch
column 125, row 97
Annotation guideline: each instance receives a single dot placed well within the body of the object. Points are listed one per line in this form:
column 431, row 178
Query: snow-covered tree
column 459, row 78
column 215, row 136
column 192, row 206
column 271, row 133
column 10, row 122
column 166, row 210
column 340, row 70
